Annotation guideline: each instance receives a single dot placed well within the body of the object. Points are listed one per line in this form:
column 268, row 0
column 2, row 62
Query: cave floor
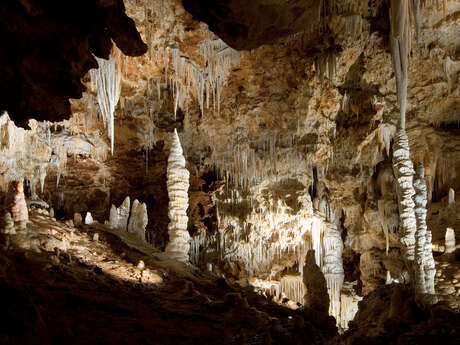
column 82, row 285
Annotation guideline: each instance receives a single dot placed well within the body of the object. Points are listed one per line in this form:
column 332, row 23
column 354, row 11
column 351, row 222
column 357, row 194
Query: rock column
column 177, row 184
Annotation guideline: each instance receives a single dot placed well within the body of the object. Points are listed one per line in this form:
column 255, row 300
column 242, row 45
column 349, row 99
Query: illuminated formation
column 178, row 183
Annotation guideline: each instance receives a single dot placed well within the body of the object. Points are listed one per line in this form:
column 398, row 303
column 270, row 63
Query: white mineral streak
column 420, row 199
column 404, row 171
column 450, row 240
column 138, row 220
column 177, row 183
column 106, row 80
column 88, row 218
column 333, row 267
column 447, row 65
column 451, row 198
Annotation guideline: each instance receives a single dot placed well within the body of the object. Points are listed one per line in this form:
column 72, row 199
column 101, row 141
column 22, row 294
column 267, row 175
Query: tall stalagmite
column 420, row 235
column 316, row 297
column 333, row 267
column 402, row 164
column 178, row 184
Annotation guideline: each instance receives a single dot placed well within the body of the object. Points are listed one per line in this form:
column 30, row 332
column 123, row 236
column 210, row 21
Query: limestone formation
column 177, row 184
column 16, row 204
column 420, row 199
column 451, row 197
column 430, row 266
column 8, row 224
column 88, row 218
column 119, row 216
column 316, row 297
column 138, row 220
column 450, row 240
column 77, row 219
column 333, row 267
column 404, row 171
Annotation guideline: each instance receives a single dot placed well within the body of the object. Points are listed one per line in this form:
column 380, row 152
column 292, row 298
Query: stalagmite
column 77, row 219
column 420, row 235
column 88, row 218
column 8, row 224
column 17, row 205
column 177, row 184
column 404, row 171
column 450, row 240
column 138, row 219
column 316, row 297
column 430, row 266
column 118, row 218
column 333, row 267
column 451, row 198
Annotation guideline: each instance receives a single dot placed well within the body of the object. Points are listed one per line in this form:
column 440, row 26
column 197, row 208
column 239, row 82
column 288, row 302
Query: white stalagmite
column 430, row 266
column 404, row 171
column 451, row 198
column 177, row 184
column 138, row 219
column 420, row 235
column 450, row 240
column 333, row 267
column 118, row 218
column 88, row 218
column 107, row 81
column 402, row 165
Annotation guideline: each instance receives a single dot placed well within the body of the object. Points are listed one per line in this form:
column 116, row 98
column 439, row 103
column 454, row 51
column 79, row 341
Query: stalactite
column 106, row 80
column 293, row 287
column 177, row 184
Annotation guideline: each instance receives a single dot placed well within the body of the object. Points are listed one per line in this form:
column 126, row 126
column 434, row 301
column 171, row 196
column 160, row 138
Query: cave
column 230, row 172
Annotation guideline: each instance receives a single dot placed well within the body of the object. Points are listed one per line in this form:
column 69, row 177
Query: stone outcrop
column 242, row 25
column 178, row 184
